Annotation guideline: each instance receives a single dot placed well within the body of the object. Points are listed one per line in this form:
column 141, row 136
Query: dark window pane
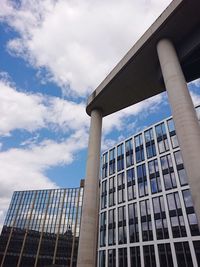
column 165, row 255
column 135, row 257
column 183, row 254
column 122, row 257
column 149, row 256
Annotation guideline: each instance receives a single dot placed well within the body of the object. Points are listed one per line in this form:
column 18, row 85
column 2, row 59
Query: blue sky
column 53, row 54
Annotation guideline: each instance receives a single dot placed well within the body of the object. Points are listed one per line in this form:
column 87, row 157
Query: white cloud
column 22, row 110
column 77, row 42
column 31, row 112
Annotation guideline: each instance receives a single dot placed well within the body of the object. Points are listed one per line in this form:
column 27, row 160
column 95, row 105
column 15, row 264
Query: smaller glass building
column 42, row 228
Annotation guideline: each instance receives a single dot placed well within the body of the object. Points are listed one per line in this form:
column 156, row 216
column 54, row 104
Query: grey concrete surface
column 89, row 222
column 137, row 76
column 184, row 116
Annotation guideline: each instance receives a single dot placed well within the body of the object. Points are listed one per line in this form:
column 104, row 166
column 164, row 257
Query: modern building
column 146, row 216
column 42, row 228
column 166, row 57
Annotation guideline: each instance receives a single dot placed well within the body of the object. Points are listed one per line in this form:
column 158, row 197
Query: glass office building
column 146, row 211
column 42, row 228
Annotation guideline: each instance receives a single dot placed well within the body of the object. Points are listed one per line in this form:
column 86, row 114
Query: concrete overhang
column 138, row 75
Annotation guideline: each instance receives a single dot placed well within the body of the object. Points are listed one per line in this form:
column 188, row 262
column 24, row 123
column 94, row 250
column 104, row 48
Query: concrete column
column 89, row 222
column 184, row 115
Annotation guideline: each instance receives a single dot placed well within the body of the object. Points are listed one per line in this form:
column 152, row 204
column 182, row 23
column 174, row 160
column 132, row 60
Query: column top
column 138, row 76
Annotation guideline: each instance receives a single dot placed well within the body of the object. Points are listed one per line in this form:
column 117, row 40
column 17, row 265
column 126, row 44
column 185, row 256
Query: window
column 149, row 256
column 111, row 191
column 172, row 133
column 162, row 138
column 176, row 215
column 111, row 258
column 150, row 143
column 183, row 254
column 103, row 229
column 160, row 218
column 133, row 223
column 102, row 258
column 165, row 255
column 112, row 161
column 105, row 165
column 192, row 219
column 180, row 168
column 168, row 172
column 131, row 186
column 139, row 149
column 120, row 157
column 197, row 250
column 129, row 152
column 135, row 256
column 122, row 257
column 111, row 227
column 104, row 195
column 142, row 180
column 122, row 225
column 198, row 112
column 154, row 176
column 121, row 187
column 146, row 224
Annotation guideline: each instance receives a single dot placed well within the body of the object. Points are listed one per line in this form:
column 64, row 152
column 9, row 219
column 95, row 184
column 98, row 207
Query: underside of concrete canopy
column 138, row 76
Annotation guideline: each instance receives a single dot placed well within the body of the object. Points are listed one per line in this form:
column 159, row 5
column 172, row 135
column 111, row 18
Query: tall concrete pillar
column 184, row 115
column 89, row 221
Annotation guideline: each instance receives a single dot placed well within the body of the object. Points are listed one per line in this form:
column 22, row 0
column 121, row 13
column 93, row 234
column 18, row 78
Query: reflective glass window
column 168, row 172
column 154, row 176
column 103, row 229
column 150, row 143
column 142, row 180
column 139, row 149
column 162, row 138
column 104, row 195
column 165, row 255
column 111, row 191
column 112, row 161
column 149, row 256
column 131, row 186
column 121, row 187
column 122, row 257
column 120, row 157
column 172, row 133
column 197, row 250
column 180, row 168
column 183, row 254
column 102, row 258
column 133, row 223
column 111, row 258
column 146, row 224
column 111, row 227
column 105, row 165
column 122, row 225
column 176, row 215
column 135, row 257
column 160, row 218
column 192, row 219
column 198, row 112
column 129, row 152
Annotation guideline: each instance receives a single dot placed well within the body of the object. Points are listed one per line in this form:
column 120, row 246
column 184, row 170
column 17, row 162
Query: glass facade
column 42, row 228
column 150, row 219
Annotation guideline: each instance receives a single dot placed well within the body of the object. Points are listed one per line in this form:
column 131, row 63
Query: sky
column 53, row 54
